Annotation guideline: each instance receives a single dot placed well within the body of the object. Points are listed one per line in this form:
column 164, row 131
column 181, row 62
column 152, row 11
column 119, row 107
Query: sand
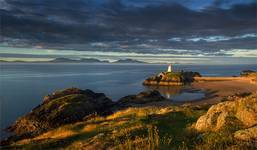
column 217, row 90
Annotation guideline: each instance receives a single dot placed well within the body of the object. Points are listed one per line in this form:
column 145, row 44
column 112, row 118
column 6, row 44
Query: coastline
column 217, row 90
column 214, row 88
column 122, row 119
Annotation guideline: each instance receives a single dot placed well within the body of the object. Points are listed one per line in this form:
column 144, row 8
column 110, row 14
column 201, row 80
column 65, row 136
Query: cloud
column 221, row 38
column 99, row 44
column 175, row 39
column 112, row 25
column 242, row 53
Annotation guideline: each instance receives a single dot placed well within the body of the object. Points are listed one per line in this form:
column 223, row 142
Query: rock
column 250, row 74
column 246, row 73
column 142, row 98
column 62, row 107
column 240, row 110
column 172, row 78
column 246, row 134
column 62, row 93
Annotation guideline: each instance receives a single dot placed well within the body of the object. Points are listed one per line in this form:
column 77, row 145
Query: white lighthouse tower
column 170, row 68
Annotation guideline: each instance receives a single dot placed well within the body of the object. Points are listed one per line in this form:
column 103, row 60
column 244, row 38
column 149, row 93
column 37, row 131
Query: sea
column 23, row 85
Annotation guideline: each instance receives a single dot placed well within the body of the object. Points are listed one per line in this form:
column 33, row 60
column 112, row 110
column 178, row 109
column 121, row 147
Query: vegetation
column 152, row 128
column 61, row 107
column 250, row 74
column 172, row 78
column 247, row 73
column 132, row 128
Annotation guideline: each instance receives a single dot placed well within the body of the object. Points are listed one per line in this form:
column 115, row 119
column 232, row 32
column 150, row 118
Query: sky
column 176, row 31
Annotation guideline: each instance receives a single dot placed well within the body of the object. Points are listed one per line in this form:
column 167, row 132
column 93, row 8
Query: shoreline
column 217, row 90
column 214, row 88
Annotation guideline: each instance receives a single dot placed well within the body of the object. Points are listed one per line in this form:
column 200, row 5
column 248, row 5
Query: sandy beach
column 219, row 89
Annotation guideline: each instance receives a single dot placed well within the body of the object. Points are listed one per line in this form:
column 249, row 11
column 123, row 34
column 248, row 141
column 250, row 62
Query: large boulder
column 62, row 107
column 141, row 98
column 241, row 110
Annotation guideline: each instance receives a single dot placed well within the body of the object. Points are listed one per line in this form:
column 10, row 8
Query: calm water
column 22, row 86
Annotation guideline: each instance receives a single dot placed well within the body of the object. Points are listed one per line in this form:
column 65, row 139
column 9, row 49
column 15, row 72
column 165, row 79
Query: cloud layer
column 146, row 26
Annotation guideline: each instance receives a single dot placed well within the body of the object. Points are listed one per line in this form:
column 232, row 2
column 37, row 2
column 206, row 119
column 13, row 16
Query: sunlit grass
column 145, row 128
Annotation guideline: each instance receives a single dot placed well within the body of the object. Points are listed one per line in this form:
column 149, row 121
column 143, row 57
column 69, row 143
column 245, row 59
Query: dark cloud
column 74, row 22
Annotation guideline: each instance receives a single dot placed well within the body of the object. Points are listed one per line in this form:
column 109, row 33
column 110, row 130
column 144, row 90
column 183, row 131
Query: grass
column 151, row 126
column 181, row 77
column 148, row 128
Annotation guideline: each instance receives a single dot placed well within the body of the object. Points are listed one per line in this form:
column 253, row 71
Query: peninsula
column 171, row 77
column 215, row 88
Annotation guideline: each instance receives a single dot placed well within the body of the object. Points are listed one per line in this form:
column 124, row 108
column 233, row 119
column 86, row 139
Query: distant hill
column 84, row 60
column 128, row 61
column 3, row 61
column 16, row 61
column 93, row 60
column 63, row 60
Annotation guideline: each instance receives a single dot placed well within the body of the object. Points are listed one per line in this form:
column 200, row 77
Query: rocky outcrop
column 171, row 78
column 62, row 93
column 247, row 73
column 62, row 107
column 241, row 111
column 73, row 105
column 141, row 98
column 250, row 74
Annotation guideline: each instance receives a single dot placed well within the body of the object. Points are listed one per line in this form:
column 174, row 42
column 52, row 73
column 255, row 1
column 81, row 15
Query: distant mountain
column 93, row 60
column 16, row 61
column 63, row 60
column 128, row 61
column 84, row 60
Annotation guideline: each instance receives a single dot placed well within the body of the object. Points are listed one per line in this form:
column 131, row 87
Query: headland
column 215, row 88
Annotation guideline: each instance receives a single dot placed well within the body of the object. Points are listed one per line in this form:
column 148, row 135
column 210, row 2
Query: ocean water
column 23, row 85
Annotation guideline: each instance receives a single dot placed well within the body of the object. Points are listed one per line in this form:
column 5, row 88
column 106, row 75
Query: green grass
column 147, row 128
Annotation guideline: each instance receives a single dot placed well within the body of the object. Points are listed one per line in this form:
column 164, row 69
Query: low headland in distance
column 82, row 119
column 82, row 60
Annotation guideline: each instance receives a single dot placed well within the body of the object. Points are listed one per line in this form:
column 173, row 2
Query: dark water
column 22, row 86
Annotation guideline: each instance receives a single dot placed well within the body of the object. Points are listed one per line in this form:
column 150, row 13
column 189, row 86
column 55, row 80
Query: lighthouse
column 170, row 68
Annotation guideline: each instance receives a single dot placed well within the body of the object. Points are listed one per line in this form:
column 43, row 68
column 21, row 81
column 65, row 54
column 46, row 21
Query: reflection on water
column 178, row 93
column 188, row 96
column 167, row 91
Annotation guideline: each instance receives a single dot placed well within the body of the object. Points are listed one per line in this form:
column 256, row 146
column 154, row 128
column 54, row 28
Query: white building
column 170, row 68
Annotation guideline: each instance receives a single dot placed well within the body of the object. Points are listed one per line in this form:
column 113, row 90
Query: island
column 171, row 77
